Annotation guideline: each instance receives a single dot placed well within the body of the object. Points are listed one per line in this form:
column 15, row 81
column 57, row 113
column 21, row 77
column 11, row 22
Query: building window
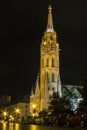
column 53, row 62
column 53, row 77
column 47, row 62
column 47, row 77
column 53, row 46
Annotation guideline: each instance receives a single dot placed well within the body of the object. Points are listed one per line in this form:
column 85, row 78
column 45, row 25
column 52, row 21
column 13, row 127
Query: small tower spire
column 59, row 86
column 50, row 20
column 37, row 84
column 32, row 91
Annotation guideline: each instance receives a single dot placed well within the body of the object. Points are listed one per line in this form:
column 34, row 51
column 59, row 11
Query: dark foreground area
column 16, row 126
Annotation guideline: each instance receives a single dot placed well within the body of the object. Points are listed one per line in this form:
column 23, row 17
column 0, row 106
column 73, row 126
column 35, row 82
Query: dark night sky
column 22, row 25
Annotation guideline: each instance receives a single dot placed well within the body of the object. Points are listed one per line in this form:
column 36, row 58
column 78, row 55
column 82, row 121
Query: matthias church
column 48, row 78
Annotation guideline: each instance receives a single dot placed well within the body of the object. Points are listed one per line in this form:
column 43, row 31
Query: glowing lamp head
column 17, row 110
column 5, row 113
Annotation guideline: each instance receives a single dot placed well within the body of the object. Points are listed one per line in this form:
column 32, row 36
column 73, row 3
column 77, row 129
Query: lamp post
column 5, row 114
column 17, row 111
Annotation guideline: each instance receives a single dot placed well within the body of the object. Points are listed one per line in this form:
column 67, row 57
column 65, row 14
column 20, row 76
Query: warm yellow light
column 17, row 126
column 33, row 115
column 5, row 113
column 44, row 43
column 17, row 110
column 34, row 105
column 10, row 116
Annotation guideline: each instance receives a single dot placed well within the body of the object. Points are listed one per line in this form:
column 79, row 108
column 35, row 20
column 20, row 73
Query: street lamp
column 17, row 110
column 17, row 116
column 5, row 114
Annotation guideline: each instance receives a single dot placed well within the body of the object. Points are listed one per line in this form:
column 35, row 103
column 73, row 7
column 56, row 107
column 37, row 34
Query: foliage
column 29, row 120
column 58, row 104
column 43, row 113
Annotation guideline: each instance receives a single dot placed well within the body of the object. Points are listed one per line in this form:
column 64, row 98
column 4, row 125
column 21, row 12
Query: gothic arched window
column 53, row 46
column 47, row 77
column 47, row 62
column 53, row 77
column 53, row 62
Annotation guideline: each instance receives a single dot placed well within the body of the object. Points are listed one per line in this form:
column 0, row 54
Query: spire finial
column 49, row 8
column 50, row 20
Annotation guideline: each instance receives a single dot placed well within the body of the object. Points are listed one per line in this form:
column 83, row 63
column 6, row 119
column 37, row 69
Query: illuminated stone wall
column 48, row 80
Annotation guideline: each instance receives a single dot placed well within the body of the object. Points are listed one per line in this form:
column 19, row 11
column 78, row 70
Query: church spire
column 50, row 20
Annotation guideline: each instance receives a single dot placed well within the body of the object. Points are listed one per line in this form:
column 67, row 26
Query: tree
column 43, row 113
column 58, row 105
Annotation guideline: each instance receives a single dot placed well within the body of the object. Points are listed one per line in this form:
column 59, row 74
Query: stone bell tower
column 49, row 64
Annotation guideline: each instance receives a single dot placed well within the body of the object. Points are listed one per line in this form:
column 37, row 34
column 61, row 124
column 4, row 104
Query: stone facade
column 48, row 80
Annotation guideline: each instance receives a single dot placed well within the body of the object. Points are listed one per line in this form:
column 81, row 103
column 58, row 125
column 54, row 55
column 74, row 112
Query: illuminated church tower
column 49, row 63
column 49, row 77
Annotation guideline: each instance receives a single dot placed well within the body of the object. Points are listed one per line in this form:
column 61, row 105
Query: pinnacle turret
column 50, row 20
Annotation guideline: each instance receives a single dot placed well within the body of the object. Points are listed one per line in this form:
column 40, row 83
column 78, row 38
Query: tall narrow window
column 47, row 78
column 53, row 47
column 47, row 62
column 53, row 77
column 53, row 62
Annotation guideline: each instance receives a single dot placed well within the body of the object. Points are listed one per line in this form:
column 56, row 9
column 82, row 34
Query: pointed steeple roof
column 37, row 84
column 59, row 86
column 32, row 91
column 50, row 20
